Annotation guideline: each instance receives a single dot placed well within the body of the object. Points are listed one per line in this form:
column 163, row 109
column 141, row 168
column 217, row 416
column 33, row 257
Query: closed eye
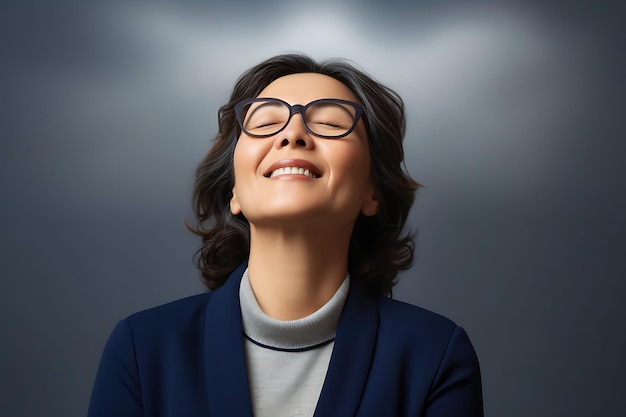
column 330, row 124
column 262, row 125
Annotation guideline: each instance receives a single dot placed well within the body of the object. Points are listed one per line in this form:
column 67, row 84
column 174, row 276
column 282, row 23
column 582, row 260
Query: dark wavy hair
column 379, row 246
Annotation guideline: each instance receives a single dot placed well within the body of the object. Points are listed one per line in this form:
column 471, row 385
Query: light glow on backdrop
column 486, row 83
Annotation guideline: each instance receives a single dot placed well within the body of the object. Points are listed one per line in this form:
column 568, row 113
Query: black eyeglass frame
column 298, row 108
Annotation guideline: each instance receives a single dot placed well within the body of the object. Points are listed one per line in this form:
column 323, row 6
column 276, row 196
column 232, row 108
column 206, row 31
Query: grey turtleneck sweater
column 287, row 360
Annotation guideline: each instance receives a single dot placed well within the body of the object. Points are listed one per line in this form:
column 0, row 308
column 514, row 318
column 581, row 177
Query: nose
column 294, row 134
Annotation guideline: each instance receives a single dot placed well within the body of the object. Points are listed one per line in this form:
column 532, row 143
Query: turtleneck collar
column 302, row 334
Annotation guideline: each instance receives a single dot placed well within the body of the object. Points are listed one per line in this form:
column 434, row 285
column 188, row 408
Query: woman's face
column 334, row 183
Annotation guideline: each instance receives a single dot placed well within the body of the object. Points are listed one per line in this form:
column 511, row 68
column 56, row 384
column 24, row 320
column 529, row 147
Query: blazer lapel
column 352, row 355
column 226, row 375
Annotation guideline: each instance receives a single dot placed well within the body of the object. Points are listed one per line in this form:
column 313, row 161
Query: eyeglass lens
column 329, row 119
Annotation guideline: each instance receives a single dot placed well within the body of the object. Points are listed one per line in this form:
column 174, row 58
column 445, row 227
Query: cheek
column 245, row 158
column 353, row 163
column 238, row 157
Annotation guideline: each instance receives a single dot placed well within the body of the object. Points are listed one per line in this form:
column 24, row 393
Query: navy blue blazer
column 187, row 359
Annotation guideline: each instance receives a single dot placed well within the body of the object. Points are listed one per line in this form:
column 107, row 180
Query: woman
column 301, row 205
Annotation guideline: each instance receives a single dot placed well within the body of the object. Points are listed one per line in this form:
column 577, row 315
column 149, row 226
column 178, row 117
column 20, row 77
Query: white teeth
column 292, row 171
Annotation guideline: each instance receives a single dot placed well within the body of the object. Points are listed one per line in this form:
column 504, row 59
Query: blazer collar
column 352, row 355
column 226, row 374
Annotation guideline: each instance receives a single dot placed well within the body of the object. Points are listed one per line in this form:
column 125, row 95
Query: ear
column 371, row 203
column 235, row 208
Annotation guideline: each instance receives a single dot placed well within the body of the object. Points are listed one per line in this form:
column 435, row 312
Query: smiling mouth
column 292, row 171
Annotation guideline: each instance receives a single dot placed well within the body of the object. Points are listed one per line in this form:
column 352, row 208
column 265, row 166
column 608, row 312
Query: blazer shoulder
column 410, row 320
column 151, row 356
column 434, row 354
column 175, row 316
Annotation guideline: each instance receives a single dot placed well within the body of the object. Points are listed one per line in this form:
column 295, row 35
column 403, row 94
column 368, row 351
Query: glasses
column 327, row 117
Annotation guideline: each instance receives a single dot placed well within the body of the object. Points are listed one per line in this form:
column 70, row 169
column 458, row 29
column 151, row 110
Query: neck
column 294, row 273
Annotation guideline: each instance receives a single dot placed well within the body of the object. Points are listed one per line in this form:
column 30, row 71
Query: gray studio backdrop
column 513, row 126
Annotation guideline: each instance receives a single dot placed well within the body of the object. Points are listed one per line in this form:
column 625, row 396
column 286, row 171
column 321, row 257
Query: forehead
column 306, row 87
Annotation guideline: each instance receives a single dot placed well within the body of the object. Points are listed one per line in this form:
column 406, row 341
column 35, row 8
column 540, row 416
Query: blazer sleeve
column 456, row 389
column 117, row 390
